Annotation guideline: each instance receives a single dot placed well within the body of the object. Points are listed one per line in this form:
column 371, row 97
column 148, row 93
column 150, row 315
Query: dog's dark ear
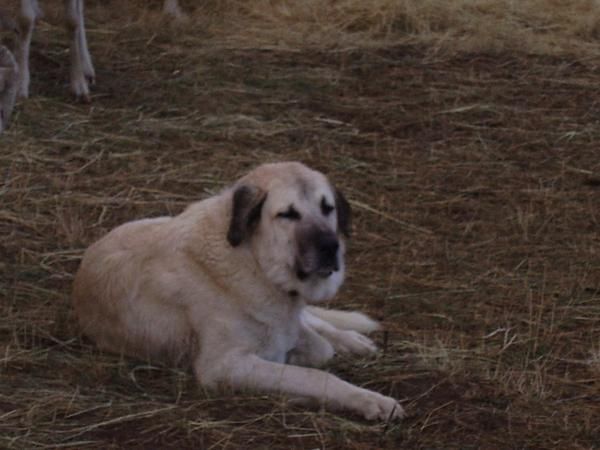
column 245, row 214
column 344, row 213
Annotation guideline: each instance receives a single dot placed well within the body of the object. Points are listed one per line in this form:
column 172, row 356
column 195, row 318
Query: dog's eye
column 326, row 208
column 290, row 214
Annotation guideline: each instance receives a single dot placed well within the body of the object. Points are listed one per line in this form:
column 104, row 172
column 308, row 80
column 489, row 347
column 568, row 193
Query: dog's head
column 295, row 223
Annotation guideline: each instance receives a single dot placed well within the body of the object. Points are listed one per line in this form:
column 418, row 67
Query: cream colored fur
column 185, row 289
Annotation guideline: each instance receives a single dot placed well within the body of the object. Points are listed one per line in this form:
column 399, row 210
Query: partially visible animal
column 229, row 288
column 14, row 65
column 172, row 8
column 82, row 70
column 15, row 75
column 9, row 83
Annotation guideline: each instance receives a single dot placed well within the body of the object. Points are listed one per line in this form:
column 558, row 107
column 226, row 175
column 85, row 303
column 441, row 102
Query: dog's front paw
column 349, row 341
column 380, row 407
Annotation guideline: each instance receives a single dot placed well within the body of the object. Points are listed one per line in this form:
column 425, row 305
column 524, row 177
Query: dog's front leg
column 248, row 371
column 311, row 350
column 343, row 341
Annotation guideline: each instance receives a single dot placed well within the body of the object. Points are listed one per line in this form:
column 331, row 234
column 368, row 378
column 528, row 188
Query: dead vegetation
column 474, row 175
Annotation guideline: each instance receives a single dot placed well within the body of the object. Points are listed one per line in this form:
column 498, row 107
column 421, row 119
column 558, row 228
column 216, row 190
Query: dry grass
column 473, row 171
column 534, row 26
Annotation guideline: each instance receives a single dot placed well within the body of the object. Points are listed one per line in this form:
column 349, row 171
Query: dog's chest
column 278, row 340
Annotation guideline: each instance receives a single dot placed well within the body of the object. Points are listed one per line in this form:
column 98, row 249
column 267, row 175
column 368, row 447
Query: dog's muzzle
column 319, row 256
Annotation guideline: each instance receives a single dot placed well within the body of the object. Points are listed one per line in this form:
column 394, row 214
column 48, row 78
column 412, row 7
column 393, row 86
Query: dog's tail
column 345, row 320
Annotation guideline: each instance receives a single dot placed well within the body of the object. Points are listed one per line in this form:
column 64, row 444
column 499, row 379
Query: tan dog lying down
column 225, row 286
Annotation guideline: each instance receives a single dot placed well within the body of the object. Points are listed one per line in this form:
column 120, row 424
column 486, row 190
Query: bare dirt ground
column 475, row 183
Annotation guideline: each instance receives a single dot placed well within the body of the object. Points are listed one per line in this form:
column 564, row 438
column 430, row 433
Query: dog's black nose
column 327, row 246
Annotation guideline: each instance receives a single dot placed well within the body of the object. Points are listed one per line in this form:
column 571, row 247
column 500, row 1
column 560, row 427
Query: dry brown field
column 464, row 133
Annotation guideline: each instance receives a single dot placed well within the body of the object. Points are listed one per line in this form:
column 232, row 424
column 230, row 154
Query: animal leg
column 9, row 84
column 82, row 70
column 345, row 320
column 172, row 8
column 248, row 371
column 312, row 349
column 342, row 340
column 28, row 14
